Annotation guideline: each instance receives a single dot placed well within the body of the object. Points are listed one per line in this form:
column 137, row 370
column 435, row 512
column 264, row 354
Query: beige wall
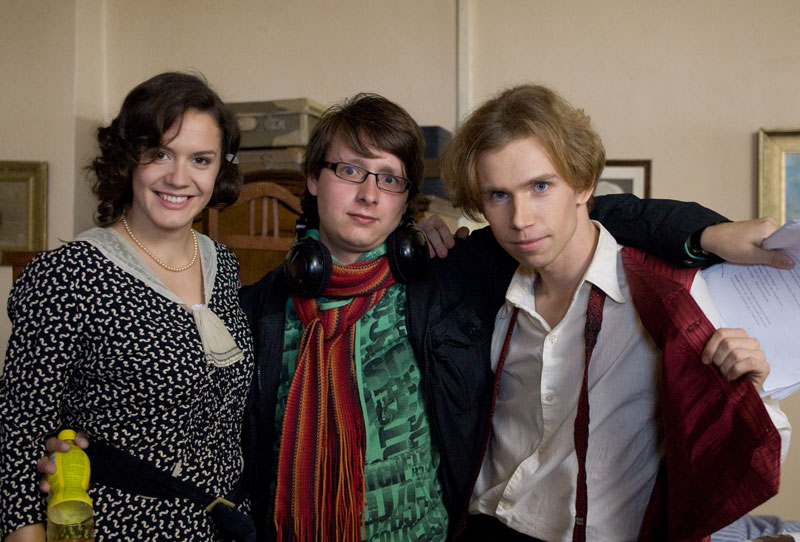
column 37, row 94
column 686, row 84
column 37, row 107
column 256, row 49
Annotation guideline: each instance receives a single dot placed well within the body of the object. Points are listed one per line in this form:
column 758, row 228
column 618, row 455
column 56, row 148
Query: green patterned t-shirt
column 404, row 496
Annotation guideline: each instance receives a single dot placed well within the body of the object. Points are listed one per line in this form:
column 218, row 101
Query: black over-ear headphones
column 308, row 263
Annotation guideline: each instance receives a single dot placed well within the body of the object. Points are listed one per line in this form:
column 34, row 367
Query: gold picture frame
column 23, row 206
column 779, row 173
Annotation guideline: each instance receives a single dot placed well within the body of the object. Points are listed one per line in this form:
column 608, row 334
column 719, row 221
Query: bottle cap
column 67, row 434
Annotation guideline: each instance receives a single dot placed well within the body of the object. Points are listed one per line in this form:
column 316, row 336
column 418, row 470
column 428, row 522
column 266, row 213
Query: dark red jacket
column 721, row 450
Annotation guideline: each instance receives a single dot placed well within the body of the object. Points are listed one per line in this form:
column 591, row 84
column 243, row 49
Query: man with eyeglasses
column 372, row 371
column 345, row 450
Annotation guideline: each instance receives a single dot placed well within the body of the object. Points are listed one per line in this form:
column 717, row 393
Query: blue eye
column 349, row 171
column 499, row 196
column 540, row 187
column 392, row 183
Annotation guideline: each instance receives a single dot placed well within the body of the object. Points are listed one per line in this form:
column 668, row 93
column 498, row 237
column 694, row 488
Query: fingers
column 81, row 441
column 736, row 354
column 440, row 239
column 44, row 485
column 428, row 229
column 45, row 466
column 54, row 445
column 772, row 258
column 777, row 259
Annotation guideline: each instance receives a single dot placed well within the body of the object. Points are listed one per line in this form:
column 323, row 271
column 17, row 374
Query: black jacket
column 450, row 316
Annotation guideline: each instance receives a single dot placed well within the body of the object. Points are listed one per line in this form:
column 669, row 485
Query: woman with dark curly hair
column 135, row 327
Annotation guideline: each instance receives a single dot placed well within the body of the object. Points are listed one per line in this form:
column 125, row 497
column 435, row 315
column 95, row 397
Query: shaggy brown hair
column 366, row 120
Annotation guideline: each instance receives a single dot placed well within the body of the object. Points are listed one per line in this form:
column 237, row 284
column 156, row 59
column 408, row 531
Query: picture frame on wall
column 779, row 173
column 23, row 206
column 625, row 177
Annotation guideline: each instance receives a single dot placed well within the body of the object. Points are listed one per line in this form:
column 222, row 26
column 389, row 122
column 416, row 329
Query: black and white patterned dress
column 99, row 344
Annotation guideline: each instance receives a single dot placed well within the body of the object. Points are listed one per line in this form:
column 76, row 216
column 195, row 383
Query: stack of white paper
column 765, row 302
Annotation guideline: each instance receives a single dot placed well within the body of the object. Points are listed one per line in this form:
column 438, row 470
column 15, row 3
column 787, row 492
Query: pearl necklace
column 155, row 258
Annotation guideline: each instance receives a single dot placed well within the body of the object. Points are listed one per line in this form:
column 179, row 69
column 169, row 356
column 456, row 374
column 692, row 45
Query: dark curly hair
column 362, row 121
column 148, row 111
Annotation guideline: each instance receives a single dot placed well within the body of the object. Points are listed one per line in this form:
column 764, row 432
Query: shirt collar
column 602, row 272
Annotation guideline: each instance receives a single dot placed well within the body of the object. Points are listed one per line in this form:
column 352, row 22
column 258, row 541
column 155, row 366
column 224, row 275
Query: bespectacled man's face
column 355, row 218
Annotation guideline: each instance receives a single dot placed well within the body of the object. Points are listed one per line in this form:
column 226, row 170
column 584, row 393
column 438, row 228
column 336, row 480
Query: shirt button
column 505, row 506
column 548, row 398
column 551, row 339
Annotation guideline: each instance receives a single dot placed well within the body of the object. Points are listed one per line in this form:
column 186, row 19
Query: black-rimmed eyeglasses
column 354, row 174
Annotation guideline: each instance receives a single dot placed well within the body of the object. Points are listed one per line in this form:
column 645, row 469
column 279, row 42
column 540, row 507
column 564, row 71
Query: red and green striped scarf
column 320, row 491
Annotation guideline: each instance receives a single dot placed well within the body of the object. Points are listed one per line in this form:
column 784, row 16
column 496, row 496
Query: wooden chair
column 292, row 180
column 258, row 227
column 17, row 259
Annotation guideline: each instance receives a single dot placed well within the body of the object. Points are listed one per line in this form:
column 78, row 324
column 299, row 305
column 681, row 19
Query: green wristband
column 693, row 249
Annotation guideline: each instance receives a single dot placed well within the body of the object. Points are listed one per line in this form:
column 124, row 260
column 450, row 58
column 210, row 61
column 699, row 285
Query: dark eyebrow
column 198, row 153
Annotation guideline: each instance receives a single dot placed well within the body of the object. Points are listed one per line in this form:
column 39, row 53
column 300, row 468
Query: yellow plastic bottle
column 69, row 508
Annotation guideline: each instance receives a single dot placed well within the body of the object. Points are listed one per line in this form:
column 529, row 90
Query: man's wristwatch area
column 695, row 255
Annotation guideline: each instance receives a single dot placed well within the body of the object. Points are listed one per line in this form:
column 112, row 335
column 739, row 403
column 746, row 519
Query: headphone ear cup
column 307, row 267
column 407, row 250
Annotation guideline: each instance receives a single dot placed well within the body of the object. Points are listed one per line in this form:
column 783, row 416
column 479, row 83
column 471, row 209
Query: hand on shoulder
column 440, row 238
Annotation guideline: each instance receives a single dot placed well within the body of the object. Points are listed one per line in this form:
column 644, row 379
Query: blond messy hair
column 520, row 112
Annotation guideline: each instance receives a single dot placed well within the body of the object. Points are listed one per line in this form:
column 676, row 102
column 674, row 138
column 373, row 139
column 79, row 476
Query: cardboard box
column 276, row 123
column 260, row 159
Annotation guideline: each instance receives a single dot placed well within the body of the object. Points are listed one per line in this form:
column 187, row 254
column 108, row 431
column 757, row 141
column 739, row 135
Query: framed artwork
column 625, row 177
column 23, row 206
column 779, row 173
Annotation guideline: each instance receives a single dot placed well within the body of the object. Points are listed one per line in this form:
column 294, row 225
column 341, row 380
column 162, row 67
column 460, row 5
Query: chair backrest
column 17, row 259
column 263, row 200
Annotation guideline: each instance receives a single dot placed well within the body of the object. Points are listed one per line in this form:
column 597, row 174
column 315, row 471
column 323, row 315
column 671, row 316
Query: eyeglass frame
column 334, row 165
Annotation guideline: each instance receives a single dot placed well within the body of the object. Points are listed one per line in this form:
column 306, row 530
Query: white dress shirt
column 528, row 477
